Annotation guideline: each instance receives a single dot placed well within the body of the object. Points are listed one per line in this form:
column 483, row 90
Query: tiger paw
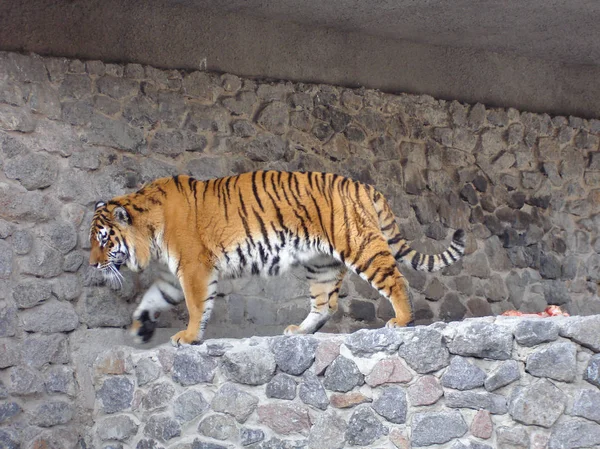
column 143, row 327
column 396, row 322
column 183, row 338
column 292, row 329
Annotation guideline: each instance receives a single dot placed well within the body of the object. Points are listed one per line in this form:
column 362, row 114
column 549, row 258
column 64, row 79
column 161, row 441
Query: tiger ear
column 121, row 215
column 99, row 204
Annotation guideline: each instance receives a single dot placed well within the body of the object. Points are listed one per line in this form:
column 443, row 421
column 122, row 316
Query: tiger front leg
column 200, row 290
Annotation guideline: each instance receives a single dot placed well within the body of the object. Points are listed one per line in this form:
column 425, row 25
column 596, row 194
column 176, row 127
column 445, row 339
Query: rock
column 574, row 433
column 251, row 366
column 67, row 287
column 534, row 332
column 189, row 405
column 540, row 404
column 425, row 391
column 9, row 410
column 146, row 371
column 53, row 413
column 424, row 351
column 116, row 394
column 515, row 437
column 587, row 405
column 274, row 117
column 32, row 170
column 461, row 375
column 437, row 427
column 199, row 85
column 114, row 361
column 557, row 361
column 242, row 104
column 326, row 352
column 592, row 372
column 556, row 293
column 346, row 400
column 219, row 427
column 117, row 87
column 399, row 440
column 482, row 425
column 365, row 342
column 327, row 432
column 285, row 419
column 44, row 261
column 506, row 373
column 251, row 436
column 493, row 403
column 364, row 428
column 311, row 392
column 148, row 443
column 60, row 379
column 391, row 404
column 388, row 371
column 30, row 293
column 25, row 381
column 9, row 439
column 120, row 427
column 16, row 119
column 282, row 386
column 159, row 395
column 583, row 330
column 483, row 340
column 162, row 428
column 233, row 401
column 265, row 148
column 8, row 320
column 61, row 235
column 52, row 316
column 190, row 367
column 342, row 375
column 294, row 354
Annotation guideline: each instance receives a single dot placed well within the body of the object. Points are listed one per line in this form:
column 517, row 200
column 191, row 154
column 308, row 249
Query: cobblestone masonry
column 526, row 187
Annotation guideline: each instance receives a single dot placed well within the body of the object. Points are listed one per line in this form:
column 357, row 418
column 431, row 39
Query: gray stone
column 60, row 379
column 251, row 366
column 116, row 394
column 120, row 427
column 113, row 134
column 364, row 428
column 506, row 373
column 462, row 375
column 285, row 419
column 328, row 432
column 251, row 436
column 539, row 404
column 38, row 350
column 592, row 372
column 158, row 395
column 483, row 340
column 282, row 386
column 265, row 148
column 117, row 87
column 587, row 405
column 233, row 401
column 557, row 361
column 469, row 444
column 25, row 381
column 311, row 392
column 362, row 310
column 3, row 391
column 493, row 403
column 8, row 320
column 16, row 119
column 53, row 413
column 44, row 261
column 147, row 443
column 583, row 330
column 294, row 354
column 9, row 439
column 534, row 332
column 146, row 371
column 9, row 410
column 162, row 428
column 61, row 235
column 437, row 427
column 365, row 342
column 52, row 316
column 6, row 230
column 424, row 350
column 515, row 437
column 556, row 292
column 242, row 104
column 189, row 405
column 31, row 292
column 174, row 142
column 199, row 85
column 102, row 308
column 243, row 128
column 6, row 260
column 574, row 433
column 425, row 391
column 219, row 427
column 191, row 367
column 392, row 405
column 33, row 171
column 67, row 287
column 342, row 375
column 11, row 352
column 274, row 117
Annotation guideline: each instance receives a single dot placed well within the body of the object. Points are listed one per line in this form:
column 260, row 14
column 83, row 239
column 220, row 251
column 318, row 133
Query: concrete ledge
column 174, row 35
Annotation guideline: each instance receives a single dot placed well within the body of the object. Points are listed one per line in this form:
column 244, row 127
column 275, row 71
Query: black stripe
column 242, row 204
column 168, row 298
column 415, row 260
column 241, row 256
column 366, row 265
column 395, row 239
column 246, row 228
column 138, row 209
column 403, row 252
column 177, row 182
column 228, row 189
column 275, row 188
column 431, row 263
column 263, row 229
column 255, row 191
column 443, row 256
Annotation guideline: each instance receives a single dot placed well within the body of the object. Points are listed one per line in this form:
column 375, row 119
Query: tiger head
column 110, row 241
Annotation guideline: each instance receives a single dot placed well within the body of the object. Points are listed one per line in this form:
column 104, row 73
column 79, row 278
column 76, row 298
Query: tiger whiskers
column 112, row 276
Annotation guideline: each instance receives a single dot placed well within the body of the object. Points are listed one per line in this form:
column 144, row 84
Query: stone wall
column 480, row 384
column 526, row 188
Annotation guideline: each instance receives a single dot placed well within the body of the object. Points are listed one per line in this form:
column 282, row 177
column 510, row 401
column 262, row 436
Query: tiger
column 256, row 223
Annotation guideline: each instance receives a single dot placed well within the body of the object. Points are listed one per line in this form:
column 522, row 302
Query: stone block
column 583, row 330
column 534, row 332
column 8, row 410
column 250, row 366
column 574, row 433
column 365, row 342
column 557, row 361
column 52, row 316
column 38, row 350
column 31, row 292
column 462, row 375
column 483, row 340
column 364, row 427
column 392, row 405
column 32, row 170
column 8, row 320
column 219, row 427
column 482, row 425
column 189, row 405
column 146, row 371
column 493, row 403
column 120, row 427
column 158, row 395
column 587, row 405
column 281, row 386
column 285, row 419
column 504, row 374
column 347, row 400
column 437, row 427
column 424, row 350
column 233, row 401
column 116, row 394
column 251, row 436
column 162, row 428
column 388, row 371
column 311, row 392
column 539, row 404
column 52, row 413
column 294, row 354
column 425, row 391
column 342, row 375
column 592, row 371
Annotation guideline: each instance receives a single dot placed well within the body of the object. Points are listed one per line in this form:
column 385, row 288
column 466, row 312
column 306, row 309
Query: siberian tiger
column 256, row 223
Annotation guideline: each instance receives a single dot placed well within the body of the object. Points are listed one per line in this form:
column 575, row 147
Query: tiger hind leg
column 325, row 277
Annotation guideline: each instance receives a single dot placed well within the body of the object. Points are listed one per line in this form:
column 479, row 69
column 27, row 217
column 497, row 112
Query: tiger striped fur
column 256, row 223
